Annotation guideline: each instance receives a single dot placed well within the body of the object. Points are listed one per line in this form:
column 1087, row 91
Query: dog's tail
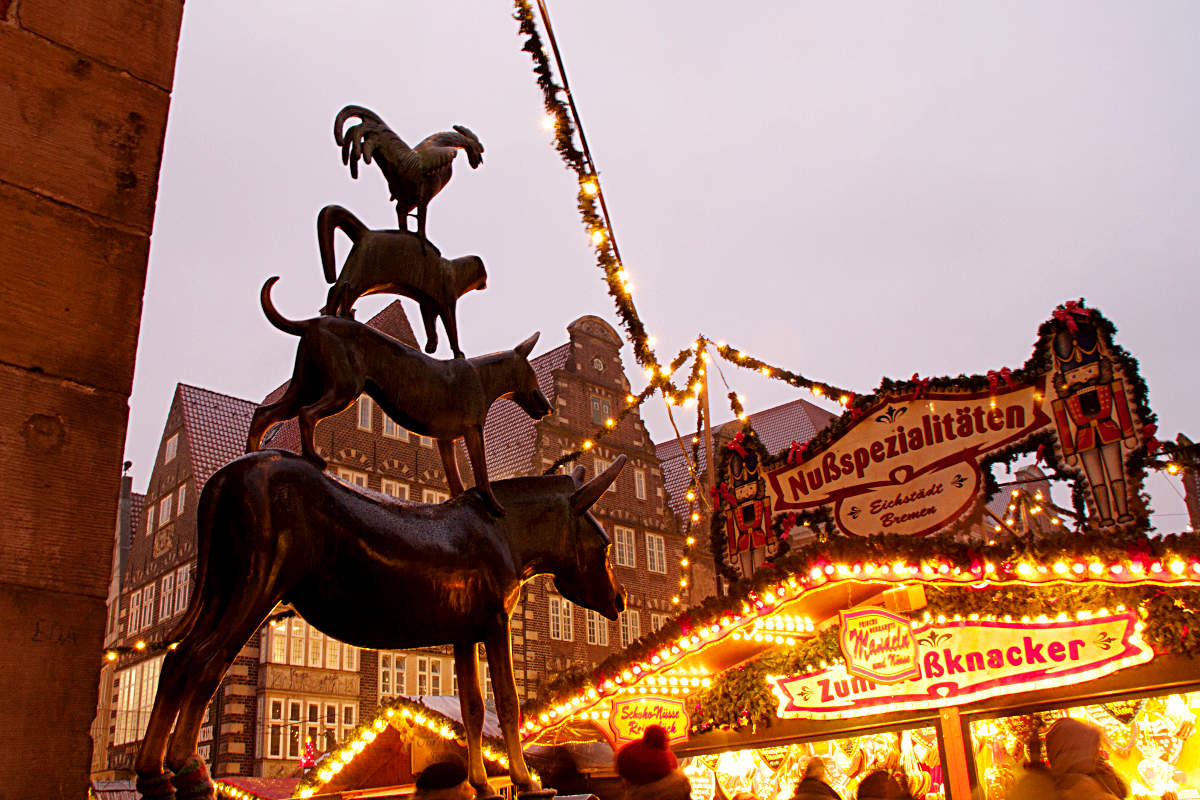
column 330, row 219
column 274, row 317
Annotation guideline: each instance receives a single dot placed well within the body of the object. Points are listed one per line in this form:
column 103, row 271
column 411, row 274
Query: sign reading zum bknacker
column 960, row 662
column 915, row 457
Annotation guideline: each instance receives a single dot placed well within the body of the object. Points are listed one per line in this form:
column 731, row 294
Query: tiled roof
column 777, row 427
column 393, row 321
column 215, row 426
column 509, row 435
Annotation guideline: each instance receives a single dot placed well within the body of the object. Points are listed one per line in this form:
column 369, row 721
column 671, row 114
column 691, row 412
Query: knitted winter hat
column 441, row 775
column 648, row 759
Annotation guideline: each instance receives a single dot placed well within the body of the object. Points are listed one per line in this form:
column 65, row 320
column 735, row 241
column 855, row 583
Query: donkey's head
column 523, row 387
column 583, row 574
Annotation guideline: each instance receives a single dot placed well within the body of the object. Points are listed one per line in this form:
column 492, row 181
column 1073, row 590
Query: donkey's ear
column 577, row 475
column 526, row 347
column 586, row 496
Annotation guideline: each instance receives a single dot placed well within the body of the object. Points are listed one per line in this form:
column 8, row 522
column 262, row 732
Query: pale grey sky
column 847, row 189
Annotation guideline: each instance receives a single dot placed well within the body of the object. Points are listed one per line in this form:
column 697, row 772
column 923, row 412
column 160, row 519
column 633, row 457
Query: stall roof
column 805, row 591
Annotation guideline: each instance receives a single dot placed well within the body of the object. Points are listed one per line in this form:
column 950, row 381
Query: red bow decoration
column 722, row 492
column 1069, row 311
column 736, row 444
column 922, row 385
column 796, row 452
column 1041, row 454
column 789, row 522
column 995, row 377
column 1152, row 444
column 856, row 414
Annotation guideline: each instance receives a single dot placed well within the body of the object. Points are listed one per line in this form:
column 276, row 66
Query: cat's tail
column 330, row 219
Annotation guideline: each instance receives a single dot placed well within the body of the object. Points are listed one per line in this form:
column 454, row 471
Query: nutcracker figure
column 749, row 539
column 1093, row 418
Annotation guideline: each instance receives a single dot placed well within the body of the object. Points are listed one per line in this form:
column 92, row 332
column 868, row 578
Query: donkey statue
column 373, row 572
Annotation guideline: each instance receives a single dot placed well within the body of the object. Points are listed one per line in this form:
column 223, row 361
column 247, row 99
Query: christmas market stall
column 893, row 606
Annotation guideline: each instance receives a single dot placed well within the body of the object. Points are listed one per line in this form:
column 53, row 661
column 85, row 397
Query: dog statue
column 338, row 359
column 396, row 262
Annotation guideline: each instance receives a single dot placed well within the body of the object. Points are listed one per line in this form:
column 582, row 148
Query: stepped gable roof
column 509, row 435
column 216, row 426
column 777, row 427
column 391, row 320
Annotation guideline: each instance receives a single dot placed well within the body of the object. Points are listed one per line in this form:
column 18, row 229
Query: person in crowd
column 444, row 780
column 880, row 785
column 650, row 770
column 1079, row 770
column 814, row 785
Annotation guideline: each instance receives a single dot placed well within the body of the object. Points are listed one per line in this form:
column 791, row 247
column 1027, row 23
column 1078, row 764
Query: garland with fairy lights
column 1041, row 443
column 1069, row 561
column 419, row 719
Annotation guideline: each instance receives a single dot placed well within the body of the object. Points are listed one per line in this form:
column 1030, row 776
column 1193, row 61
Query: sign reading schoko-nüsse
column 630, row 718
column 964, row 661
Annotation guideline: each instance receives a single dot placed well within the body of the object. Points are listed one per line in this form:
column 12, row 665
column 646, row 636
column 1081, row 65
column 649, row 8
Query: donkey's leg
column 220, row 636
column 466, row 667
column 153, row 781
column 499, row 655
column 450, row 466
column 474, row 439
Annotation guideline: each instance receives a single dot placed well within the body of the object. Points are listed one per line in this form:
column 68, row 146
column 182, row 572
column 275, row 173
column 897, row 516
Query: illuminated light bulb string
column 142, row 646
column 404, row 715
column 1061, row 573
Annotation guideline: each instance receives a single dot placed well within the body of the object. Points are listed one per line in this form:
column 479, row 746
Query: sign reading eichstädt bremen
column 914, row 458
column 959, row 662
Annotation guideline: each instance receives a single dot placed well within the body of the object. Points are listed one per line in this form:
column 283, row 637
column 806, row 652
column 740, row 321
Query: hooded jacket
column 1076, row 770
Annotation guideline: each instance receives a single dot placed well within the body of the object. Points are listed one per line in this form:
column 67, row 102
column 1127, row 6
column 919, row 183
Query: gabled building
column 291, row 684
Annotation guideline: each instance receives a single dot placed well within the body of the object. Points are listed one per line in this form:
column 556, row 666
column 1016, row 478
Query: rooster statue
column 414, row 174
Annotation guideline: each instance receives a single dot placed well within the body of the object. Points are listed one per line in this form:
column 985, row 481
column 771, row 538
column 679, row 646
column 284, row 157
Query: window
column 486, row 672
column 656, row 553
column 623, row 549
column 182, row 498
column 597, row 629
column 149, row 519
column 365, row 408
column 316, row 647
column 171, row 448
column 435, row 677
column 600, row 465
column 293, row 641
column 395, row 489
column 426, row 441
column 391, row 674
column 147, row 606
column 631, row 627
column 393, row 431
column 422, row 676
column 453, row 679
column 433, row 496
column 296, row 641
column 183, row 580
column 164, row 510
column 601, row 410
column 133, row 623
column 639, row 484
column 292, row 721
column 657, row 621
column 136, row 686
column 352, row 477
column 560, row 619
column 166, row 597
